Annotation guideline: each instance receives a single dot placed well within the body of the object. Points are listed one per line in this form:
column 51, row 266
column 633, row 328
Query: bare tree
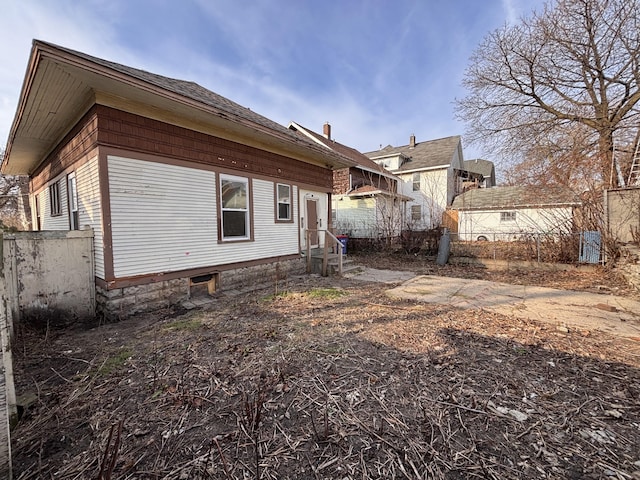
column 14, row 201
column 570, row 71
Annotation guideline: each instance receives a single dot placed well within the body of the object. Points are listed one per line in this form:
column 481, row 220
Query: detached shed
column 509, row 213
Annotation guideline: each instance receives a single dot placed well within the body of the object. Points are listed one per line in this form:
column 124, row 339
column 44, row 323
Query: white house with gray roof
column 509, row 213
column 433, row 173
column 366, row 202
column 482, row 167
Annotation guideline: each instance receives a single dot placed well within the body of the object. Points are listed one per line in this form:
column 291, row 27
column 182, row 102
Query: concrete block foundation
column 120, row 303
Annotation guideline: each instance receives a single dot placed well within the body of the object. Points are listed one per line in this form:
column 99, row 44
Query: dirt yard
column 331, row 379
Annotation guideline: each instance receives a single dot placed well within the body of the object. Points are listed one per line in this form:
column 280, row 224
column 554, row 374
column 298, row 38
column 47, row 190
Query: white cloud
column 71, row 25
column 376, row 73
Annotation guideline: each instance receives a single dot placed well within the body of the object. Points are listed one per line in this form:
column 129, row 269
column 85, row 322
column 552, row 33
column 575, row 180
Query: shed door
column 312, row 222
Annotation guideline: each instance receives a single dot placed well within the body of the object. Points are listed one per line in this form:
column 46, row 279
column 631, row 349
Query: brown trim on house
column 120, row 129
column 193, row 272
column 41, row 183
column 134, row 155
column 275, row 202
column 105, row 206
column 75, row 147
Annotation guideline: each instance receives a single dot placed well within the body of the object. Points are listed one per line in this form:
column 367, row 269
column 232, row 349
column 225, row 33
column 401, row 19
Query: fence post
column 8, row 411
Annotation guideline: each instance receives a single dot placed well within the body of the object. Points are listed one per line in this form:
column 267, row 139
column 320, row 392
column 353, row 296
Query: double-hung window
column 283, row 201
column 234, row 206
column 416, row 182
column 55, row 207
column 416, row 213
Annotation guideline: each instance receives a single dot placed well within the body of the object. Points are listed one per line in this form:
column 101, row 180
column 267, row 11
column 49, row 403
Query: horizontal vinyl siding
column 164, row 218
column 277, row 238
column 89, row 208
column 549, row 221
column 356, row 217
column 59, row 222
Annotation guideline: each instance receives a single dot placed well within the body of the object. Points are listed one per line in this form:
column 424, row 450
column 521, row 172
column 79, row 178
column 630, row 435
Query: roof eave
column 270, row 139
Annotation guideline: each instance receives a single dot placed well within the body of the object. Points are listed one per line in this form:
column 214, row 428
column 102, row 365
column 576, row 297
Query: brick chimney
column 412, row 140
column 326, row 130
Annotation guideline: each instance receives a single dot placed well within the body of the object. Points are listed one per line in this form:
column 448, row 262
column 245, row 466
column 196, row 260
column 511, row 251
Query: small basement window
column 204, row 285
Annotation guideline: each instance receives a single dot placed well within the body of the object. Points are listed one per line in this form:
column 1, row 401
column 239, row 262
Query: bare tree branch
column 575, row 63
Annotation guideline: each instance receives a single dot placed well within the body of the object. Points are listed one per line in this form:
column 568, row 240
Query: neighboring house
column 365, row 201
column 432, row 173
column 485, row 170
column 181, row 186
column 509, row 213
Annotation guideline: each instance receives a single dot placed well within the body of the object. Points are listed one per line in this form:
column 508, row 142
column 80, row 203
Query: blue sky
column 377, row 70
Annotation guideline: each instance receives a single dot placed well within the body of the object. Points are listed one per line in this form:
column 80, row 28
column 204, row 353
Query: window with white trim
column 416, row 212
column 234, row 207
column 507, row 216
column 283, row 202
column 416, row 182
column 55, row 207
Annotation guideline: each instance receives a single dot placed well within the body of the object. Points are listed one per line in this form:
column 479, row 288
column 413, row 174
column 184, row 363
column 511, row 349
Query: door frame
column 314, row 238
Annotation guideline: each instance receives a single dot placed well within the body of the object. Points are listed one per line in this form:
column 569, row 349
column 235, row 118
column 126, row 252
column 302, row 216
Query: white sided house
column 511, row 213
column 432, row 174
column 366, row 203
column 185, row 190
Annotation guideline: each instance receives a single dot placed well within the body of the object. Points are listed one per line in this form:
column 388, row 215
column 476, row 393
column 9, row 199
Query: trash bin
column 343, row 240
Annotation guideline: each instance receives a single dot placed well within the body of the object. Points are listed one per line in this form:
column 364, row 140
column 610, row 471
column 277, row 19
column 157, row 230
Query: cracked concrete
column 567, row 309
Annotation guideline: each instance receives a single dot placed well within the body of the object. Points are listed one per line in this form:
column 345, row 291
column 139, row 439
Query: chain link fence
column 556, row 248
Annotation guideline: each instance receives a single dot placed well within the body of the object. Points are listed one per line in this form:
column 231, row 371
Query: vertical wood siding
column 164, row 218
column 89, row 209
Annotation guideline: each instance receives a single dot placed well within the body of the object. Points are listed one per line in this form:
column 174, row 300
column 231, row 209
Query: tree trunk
column 605, row 154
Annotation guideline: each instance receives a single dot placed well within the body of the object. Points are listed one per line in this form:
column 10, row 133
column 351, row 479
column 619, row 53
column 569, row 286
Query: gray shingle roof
column 515, row 197
column 189, row 90
column 433, row 153
column 483, row 167
column 353, row 154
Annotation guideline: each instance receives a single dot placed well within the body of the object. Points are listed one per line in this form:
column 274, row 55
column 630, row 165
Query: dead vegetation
column 323, row 382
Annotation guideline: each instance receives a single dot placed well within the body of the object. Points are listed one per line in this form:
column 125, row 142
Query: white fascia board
column 306, row 133
column 425, row 169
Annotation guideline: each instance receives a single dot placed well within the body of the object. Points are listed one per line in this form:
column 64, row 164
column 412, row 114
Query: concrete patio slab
column 564, row 308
